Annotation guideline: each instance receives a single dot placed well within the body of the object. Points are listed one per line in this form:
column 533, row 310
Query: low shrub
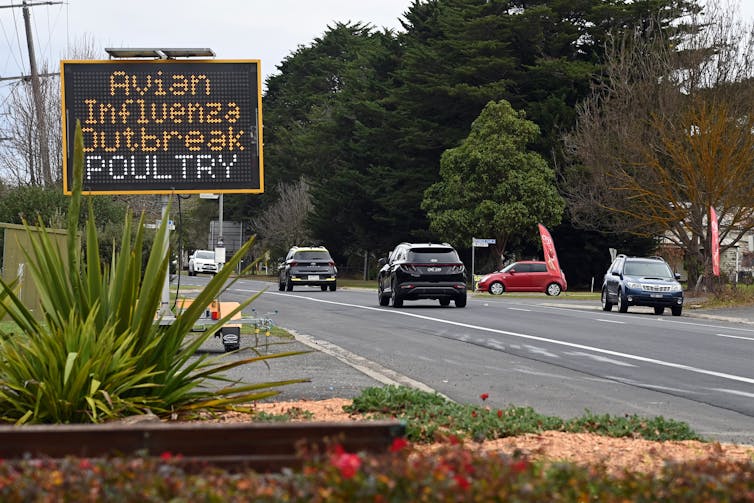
column 430, row 415
column 403, row 474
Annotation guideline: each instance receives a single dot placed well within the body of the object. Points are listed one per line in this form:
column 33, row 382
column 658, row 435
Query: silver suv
column 642, row 281
column 308, row 265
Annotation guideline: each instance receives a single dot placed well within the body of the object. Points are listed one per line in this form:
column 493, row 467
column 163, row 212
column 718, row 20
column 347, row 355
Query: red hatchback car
column 524, row 276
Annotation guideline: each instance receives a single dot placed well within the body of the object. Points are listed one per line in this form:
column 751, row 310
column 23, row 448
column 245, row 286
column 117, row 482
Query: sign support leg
column 165, row 313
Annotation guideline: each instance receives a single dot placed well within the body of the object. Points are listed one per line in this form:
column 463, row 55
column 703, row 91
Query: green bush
column 99, row 352
column 430, row 415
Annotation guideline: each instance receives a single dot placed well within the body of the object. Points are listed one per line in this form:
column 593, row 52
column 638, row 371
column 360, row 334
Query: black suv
column 642, row 281
column 310, row 265
column 415, row 271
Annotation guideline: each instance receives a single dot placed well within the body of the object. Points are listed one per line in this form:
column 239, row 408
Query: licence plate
column 313, row 277
column 656, row 295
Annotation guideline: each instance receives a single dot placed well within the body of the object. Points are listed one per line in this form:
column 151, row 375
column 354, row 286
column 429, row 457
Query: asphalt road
column 558, row 356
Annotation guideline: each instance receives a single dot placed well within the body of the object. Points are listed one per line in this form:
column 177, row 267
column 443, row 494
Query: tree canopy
column 492, row 185
column 365, row 115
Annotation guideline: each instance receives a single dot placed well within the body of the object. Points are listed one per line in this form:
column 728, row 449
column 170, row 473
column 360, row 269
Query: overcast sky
column 235, row 29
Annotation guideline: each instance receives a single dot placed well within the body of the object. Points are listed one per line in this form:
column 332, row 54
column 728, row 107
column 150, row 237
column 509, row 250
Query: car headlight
column 634, row 285
column 676, row 287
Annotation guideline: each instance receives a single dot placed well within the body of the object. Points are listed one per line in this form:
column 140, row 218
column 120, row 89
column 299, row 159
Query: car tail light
column 331, row 263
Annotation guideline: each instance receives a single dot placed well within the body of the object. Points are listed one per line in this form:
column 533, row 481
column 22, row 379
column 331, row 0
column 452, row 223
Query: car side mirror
column 615, row 273
column 512, row 271
column 677, row 276
column 382, row 261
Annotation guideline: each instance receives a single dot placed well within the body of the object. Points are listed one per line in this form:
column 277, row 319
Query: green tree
column 492, row 185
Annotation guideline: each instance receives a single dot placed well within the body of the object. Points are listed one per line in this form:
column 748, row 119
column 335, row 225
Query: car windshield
column 432, row 255
column 648, row 269
column 207, row 255
column 312, row 256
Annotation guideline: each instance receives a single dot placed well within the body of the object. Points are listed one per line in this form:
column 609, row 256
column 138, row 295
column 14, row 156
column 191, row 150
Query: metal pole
column 220, row 231
column 44, row 148
column 165, row 313
column 473, row 284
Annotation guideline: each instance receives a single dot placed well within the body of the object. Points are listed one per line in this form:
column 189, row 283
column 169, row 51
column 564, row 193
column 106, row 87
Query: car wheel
column 444, row 302
column 553, row 289
column 497, row 288
column 622, row 302
column 606, row 304
column 396, row 297
column 659, row 310
column 383, row 299
column 461, row 301
column 288, row 284
column 323, row 288
column 676, row 310
column 333, row 287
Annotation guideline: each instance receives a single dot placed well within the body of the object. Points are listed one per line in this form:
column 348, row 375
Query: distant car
column 524, row 276
column 415, row 271
column 308, row 265
column 642, row 281
column 202, row 261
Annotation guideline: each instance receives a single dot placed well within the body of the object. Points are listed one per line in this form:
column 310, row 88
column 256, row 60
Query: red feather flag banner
column 548, row 246
column 714, row 238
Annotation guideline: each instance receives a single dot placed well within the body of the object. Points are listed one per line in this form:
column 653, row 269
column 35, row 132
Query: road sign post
column 478, row 243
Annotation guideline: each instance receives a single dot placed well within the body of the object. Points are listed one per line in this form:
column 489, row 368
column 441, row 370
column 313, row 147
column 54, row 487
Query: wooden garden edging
column 260, row 446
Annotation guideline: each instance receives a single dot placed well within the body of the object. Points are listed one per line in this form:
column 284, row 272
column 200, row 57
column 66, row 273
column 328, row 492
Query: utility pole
column 44, row 146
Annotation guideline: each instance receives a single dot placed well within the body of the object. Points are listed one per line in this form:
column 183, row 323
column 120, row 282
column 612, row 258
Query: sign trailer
column 164, row 126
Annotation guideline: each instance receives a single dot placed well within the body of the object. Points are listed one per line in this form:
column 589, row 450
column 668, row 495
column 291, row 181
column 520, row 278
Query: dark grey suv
column 308, row 265
column 415, row 271
column 642, row 281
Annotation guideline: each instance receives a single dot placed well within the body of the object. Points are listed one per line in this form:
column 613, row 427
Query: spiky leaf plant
column 99, row 352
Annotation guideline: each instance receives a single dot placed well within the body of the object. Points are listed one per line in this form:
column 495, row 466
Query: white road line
column 519, row 309
column 644, row 359
column 735, row 337
column 611, row 321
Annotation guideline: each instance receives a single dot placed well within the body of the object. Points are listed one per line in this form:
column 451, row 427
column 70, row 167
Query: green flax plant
column 99, row 351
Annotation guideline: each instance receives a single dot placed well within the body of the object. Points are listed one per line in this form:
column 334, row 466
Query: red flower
column 398, row 444
column 520, row 466
column 499, row 413
column 453, row 440
column 484, row 396
column 84, row 464
column 473, row 413
column 167, row 455
column 462, row 482
column 347, row 464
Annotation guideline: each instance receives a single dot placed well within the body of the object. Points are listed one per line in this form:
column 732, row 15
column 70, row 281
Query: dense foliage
column 492, row 185
column 366, row 115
